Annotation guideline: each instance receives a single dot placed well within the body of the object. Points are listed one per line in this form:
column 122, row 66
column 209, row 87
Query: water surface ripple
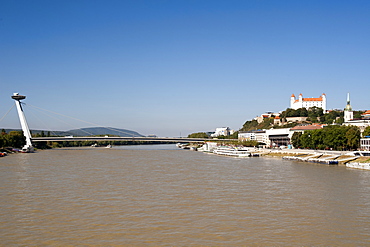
column 159, row 195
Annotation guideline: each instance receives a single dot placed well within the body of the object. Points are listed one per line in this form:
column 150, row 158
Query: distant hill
column 88, row 131
column 104, row 131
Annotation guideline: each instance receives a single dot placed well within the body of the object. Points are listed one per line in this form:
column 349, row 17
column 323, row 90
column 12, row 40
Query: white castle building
column 308, row 102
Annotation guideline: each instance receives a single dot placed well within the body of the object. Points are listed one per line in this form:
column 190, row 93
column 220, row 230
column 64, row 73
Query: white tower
column 348, row 113
column 323, row 106
column 26, row 131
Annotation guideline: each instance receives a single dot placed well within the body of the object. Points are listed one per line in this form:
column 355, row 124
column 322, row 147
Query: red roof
column 366, row 113
column 312, row 99
column 309, row 99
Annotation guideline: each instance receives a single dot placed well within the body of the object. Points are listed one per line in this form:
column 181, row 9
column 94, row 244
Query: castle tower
column 292, row 100
column 348, row 113
column 323, row 106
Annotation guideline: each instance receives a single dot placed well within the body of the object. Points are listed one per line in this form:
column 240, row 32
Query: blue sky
column 178, row 67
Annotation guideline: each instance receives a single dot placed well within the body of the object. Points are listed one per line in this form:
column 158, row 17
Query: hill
column 104, row 131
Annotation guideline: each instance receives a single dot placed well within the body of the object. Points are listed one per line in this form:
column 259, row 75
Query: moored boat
column 231, row 151
column 365, row 166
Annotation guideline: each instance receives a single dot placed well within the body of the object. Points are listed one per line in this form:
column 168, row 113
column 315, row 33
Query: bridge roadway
column 102, row 138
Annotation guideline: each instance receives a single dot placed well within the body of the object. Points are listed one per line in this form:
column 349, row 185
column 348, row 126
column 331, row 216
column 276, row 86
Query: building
column 348, row 112
column 266, row 115
column 277, row 120
column 224, row 131
column 295, row 119
column 366, row 115
column 308, row 102
column 271, row 137
column 303, row 128
column 254, row 135
column 278, row 137
column 362, row 124
column 365, row 143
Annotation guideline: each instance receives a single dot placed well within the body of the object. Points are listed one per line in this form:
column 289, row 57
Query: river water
column 163, row 196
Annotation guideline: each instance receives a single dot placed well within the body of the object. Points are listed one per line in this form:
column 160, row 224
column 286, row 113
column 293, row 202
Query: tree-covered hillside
column 313, row 115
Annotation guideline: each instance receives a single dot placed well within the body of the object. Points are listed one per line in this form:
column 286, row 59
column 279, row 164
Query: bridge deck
column 99, row 138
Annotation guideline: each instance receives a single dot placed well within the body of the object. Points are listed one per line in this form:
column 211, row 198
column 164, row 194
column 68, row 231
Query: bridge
column 29, row 139
column 113, row 138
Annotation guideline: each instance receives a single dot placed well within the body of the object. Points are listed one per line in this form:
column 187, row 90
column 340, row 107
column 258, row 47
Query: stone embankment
column 316, row 156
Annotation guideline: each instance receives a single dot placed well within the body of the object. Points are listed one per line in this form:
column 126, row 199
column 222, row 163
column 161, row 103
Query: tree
column 198, row 135
column 249, row 125
column 353, row 138
column 305, row 140
column 357, row 114
column 296, row 139
column 234, row 135
column 331, row 137
column 366, row 132
column 13, row 139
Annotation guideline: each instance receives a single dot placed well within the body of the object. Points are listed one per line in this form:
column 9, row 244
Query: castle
column 308, row 102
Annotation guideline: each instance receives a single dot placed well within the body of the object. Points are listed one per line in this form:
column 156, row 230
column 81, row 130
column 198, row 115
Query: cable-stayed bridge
column 29, row 139
column 113, row 138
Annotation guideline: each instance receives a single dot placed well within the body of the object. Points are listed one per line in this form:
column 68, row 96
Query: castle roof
column 312, row 99
column 308, row 99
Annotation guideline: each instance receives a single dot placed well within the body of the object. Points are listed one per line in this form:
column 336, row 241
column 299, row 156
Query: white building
column 365, row 144
column 362, row 124
column 308, row 102
column 224, row 131
column 271, row 137
column 254, row 135
column 278, row 137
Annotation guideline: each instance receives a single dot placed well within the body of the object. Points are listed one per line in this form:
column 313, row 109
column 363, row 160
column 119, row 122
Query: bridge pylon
column 26, row 131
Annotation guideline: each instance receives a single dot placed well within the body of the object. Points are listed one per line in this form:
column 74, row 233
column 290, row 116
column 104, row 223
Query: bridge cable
column 42, row 122
column 7, row 112
column 40, row 110
column 114, row 129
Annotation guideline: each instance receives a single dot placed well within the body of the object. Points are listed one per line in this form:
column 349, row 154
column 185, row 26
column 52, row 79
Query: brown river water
column 163, row 196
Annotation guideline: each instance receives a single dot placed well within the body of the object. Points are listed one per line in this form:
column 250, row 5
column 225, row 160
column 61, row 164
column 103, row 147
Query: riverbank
column 319, row 156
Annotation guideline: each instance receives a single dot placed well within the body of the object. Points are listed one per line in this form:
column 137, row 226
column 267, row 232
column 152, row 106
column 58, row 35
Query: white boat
column 109, row 146
column 365, row 166
column 231, row 151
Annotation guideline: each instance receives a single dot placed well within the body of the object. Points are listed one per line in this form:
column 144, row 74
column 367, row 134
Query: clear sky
column 176, row 67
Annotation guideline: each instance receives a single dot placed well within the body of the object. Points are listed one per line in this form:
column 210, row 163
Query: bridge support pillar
column 26, row 131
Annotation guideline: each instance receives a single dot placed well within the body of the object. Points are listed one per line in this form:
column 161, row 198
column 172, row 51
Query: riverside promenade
column 317, row 156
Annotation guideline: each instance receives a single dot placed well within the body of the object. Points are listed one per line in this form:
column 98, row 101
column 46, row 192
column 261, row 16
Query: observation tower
column 26, row 131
